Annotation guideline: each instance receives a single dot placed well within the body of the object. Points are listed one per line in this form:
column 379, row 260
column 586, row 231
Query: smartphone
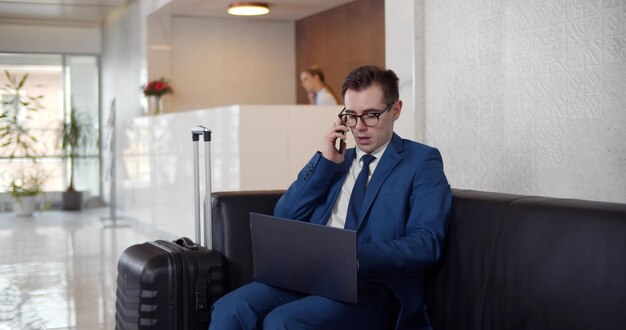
column 339, row 142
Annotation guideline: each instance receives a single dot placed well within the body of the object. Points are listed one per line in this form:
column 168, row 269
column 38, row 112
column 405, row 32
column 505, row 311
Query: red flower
column 158, row 87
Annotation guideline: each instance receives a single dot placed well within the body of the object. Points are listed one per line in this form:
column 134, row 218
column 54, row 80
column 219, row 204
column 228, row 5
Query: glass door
column 39, row 92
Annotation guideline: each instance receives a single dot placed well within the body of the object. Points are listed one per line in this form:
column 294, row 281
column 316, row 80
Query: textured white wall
column 529, row 96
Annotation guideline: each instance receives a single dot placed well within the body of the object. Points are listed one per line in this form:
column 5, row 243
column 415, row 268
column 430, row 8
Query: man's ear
column 397, row 108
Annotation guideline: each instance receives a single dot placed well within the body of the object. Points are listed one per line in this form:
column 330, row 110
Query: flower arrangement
column 158, row 88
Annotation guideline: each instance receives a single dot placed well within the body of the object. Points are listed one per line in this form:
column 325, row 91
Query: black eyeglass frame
column 375, row 114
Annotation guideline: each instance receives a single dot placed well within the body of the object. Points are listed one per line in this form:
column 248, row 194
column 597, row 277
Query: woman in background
column 319, row 92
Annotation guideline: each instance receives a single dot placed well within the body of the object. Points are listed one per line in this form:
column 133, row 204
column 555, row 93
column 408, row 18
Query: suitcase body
column 167, row 285
column 171, row 285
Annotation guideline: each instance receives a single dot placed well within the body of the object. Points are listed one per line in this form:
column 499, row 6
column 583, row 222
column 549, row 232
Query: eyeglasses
column 369, row 119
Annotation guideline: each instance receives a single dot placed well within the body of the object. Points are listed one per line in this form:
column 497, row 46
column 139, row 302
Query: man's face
column 370, row 100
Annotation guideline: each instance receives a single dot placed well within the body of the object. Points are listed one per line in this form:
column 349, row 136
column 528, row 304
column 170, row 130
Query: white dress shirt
column 340, row 209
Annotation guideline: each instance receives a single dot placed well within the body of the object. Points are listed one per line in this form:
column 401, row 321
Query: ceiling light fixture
column 248, row 8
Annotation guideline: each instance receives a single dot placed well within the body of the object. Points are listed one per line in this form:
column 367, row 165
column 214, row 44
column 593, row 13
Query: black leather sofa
column 510, row 261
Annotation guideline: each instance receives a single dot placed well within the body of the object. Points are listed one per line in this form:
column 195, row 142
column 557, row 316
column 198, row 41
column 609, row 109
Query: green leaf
column 22, row 81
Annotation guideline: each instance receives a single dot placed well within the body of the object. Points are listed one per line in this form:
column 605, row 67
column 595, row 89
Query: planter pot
column 72, row 200
column 25, row 206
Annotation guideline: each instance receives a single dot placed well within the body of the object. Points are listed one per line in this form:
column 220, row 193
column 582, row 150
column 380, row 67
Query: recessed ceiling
column 92, row 12
column 279, row 9
column 59, row 12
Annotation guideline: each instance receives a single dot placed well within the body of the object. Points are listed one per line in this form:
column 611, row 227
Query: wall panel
column 340, row 39
column 225, row 61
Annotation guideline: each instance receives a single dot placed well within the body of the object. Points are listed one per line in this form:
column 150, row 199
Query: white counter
column 253, row 147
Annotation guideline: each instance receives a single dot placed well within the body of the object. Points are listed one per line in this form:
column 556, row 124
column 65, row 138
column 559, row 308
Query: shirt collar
column 377, row 153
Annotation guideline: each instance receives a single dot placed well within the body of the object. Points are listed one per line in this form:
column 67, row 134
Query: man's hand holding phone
column 334, row 146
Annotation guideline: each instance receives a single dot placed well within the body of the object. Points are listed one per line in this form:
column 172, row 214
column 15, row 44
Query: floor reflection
column 58, row 269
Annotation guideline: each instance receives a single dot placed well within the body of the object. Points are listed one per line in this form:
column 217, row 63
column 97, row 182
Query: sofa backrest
column 520, row 262
column 456, row 285
column 510, row 261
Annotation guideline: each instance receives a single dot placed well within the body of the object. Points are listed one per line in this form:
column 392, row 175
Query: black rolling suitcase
column 172, row 285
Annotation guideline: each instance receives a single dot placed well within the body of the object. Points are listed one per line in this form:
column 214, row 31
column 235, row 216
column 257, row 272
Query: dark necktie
column 358, row 193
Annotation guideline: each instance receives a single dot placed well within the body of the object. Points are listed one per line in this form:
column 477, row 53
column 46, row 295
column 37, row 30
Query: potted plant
column 75, row 136
column 18, row 107
column 18, row 141
column 24, row 190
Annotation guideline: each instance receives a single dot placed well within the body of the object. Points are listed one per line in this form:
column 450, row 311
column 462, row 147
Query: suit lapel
column 389, row 160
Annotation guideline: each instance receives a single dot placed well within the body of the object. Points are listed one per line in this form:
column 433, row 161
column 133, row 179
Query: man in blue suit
column 400, row 219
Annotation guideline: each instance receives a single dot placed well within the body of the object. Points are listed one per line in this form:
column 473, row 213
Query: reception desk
column 253, row 147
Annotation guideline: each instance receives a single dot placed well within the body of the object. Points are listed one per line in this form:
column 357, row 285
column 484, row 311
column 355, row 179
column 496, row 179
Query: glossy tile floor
column 58, row 269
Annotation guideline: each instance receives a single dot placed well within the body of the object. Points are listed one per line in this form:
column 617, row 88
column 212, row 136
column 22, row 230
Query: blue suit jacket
column 402, row 224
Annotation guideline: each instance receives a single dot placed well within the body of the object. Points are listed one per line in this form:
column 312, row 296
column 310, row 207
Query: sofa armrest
column 231, row 229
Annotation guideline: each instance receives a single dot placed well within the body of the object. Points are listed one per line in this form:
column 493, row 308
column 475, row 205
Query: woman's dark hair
column 315, row 71
column 363, row 77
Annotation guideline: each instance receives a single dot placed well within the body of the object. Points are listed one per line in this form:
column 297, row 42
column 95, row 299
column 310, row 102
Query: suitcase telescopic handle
column 200, row 130
column 196, row 132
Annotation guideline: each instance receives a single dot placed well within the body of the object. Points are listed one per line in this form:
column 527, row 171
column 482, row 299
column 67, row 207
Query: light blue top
column 324, row 97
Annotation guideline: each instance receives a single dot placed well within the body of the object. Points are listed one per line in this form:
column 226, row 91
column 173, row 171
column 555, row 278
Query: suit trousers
column 261, row 306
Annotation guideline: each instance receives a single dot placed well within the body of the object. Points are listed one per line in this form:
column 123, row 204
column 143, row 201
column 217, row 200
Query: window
column 65, row 83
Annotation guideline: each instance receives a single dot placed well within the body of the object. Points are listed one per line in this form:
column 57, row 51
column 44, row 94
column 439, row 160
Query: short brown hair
column 365, row 76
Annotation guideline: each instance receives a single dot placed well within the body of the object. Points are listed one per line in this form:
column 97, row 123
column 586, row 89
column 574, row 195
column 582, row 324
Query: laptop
column 304, row 257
